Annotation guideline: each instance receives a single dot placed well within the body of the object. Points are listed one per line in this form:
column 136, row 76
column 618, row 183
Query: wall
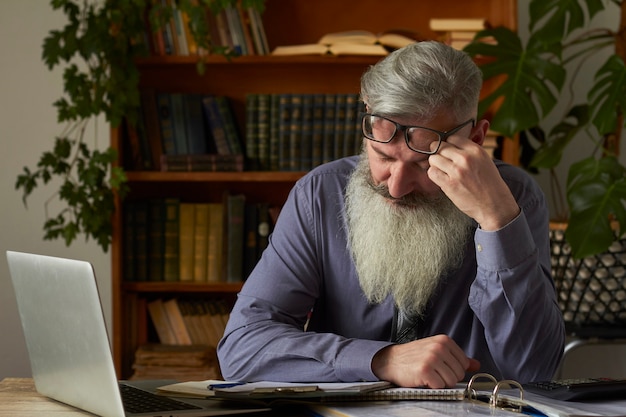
column 28, row 125
column 27, row 128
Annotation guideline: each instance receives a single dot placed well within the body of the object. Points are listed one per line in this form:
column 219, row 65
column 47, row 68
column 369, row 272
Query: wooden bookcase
column 286, row 22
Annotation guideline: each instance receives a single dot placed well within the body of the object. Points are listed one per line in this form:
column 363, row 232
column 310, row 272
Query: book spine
column 186, row 241
column 275, row 124
column 151, row 123
column 197, row 140
column 340, row 123
column 306, row 135
column 230, row 126
column 178, row 122
column 295, row 132
column 252, row 131
column 166, row 122
column 171, row 240
column 284, row 131
column 201, row 241
column 235, row 237
column 328, row 139
column 352, row 101
column 215, row 243
column 156, row 246
column 317, row 134
column 216, row 126
column 263, row 131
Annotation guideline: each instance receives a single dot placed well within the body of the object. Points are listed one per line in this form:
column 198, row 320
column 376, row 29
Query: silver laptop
column 68, row 345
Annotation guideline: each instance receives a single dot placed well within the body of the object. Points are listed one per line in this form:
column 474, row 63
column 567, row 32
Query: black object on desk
column 579, row 389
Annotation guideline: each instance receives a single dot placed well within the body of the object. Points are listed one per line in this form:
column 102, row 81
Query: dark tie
column 405, row 327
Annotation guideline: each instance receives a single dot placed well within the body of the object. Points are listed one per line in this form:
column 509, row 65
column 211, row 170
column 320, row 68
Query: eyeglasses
column 418, row 138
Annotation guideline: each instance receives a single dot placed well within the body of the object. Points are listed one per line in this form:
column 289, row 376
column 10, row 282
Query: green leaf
column 553, row 20
column 549, row 154
column 608, row 95
column 533, row 78
column 596, row 191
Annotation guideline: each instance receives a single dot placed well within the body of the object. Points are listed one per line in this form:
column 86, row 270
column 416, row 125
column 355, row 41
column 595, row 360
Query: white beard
column 402, row 249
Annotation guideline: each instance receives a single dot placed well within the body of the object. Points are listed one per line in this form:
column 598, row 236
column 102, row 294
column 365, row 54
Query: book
column 177, row 323
column 234, row 234
column 196, row 133
column 230, row 125
column 252, row 131
column 353, row 42
column 187, row 214
column 156, row 239
column 159, row 319
column 392, row 38
column 336, row 49
column 295, row 132
column 204, row 162
column 215, row 242
column 151, row 125
column 457, row 24
column 201, row 242
column 215, row 124
column 166, row 123
column 251, row 222
column 171, row 240
column 263, row 131
column 284, row 131
column 140, row 231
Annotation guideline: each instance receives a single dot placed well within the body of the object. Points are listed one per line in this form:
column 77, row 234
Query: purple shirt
column 500, row 306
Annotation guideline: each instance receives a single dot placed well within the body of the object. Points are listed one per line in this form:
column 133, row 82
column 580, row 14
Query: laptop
column 68, row 345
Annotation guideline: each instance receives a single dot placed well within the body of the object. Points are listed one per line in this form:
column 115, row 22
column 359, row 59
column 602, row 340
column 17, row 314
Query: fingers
column 434, row 362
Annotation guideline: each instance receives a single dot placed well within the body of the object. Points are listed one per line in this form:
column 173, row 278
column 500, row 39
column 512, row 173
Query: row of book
column 189, row 321
column 297, row 132
column 236, row 29
column 191, row 362
column 457, row 33
column 283, row 132
column 173, row 241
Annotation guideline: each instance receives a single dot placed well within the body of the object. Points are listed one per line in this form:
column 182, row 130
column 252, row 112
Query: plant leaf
column 608, row 95
column 549, row 154
column 553, row 20
column 532, row 80
column 596, row 191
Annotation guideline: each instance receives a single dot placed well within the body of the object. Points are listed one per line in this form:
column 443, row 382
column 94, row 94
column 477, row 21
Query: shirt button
column 479, row 247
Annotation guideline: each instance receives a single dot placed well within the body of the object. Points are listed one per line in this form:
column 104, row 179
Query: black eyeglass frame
column 405, row 129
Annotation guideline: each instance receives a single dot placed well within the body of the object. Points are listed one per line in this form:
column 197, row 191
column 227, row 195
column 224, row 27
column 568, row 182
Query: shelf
column 233, row 177
column 182, row 287
column 267, row 60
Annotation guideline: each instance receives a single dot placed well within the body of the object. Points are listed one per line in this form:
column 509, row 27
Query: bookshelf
column 286, row 22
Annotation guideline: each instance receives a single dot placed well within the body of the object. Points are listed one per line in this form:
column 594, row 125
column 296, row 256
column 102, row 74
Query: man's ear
column 479, row 132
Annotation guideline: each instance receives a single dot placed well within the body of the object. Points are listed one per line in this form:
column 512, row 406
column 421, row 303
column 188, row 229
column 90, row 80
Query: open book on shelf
column 351, row 42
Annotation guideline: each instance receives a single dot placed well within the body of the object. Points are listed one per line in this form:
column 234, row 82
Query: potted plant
column 98, row 48
column 545, row 70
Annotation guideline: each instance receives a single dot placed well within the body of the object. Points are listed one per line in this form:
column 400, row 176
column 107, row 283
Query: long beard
column 402, row 248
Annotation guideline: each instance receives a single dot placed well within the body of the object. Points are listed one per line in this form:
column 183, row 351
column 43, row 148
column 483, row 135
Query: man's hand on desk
column 434, row 362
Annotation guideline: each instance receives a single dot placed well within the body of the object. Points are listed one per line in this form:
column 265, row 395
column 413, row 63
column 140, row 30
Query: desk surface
column 18, row 398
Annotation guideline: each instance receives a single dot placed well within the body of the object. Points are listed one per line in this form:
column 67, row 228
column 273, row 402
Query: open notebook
column 68, row 345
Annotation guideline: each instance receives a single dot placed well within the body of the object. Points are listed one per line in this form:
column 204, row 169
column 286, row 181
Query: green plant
column 545, row 71
column 98, row 48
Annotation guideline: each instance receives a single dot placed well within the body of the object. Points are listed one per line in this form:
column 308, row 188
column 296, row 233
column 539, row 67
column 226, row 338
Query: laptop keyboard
column 139, row 401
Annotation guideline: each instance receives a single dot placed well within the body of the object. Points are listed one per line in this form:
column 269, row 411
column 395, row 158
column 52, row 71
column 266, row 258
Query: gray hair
column 422, row 79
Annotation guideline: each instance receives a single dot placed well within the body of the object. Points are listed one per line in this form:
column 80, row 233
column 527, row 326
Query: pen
column 224, row 385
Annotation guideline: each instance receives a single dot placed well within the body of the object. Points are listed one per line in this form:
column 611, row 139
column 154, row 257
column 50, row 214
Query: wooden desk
column 18, row 398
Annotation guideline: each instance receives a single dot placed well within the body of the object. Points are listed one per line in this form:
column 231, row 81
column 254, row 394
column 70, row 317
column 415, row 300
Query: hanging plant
column 97, row 49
